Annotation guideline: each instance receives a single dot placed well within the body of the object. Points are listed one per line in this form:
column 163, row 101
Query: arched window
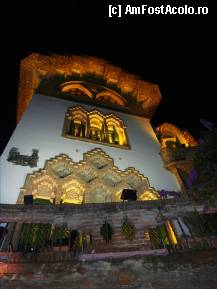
column 76, row 89
column 116, row 130
column 76, row 122
column 113, row 136
column 94, row 126
column 42, row 187
column 111, row 97
column 73, row 192
column 77, row 128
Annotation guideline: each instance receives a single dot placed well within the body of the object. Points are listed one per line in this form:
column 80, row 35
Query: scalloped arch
column 93, row 179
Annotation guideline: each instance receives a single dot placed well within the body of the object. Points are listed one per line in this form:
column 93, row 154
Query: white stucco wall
column 41, row 128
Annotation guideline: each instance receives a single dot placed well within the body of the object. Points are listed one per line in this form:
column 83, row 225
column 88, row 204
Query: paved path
column 119, row 255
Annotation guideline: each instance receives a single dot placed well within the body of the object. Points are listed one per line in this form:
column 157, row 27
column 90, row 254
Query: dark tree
column 203, row 178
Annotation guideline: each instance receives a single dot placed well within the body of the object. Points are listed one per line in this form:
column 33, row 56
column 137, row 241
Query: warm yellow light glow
column 94, row 125
column 117, row 196
column 170, row 132
column 166, row 139
column 171, row 233
column 146, row 93
column 93, row 179
column 42, row 197
column 71, row 87
column 73, row 183
column 108, row 96
column 146, row 234
column 96, row 120
column 149, row 195
column 71, row 201
column 77, row 121
column 112, row 124
column 72, row 192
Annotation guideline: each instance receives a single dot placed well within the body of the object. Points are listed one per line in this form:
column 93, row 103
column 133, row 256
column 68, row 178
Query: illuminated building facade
column 88, row 124
column 83, row 136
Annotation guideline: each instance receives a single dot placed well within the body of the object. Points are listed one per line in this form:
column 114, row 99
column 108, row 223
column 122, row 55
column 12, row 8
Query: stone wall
column 89, row 218
column 80, row 215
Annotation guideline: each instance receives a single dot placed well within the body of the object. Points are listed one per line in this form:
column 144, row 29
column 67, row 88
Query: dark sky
column 177, row 52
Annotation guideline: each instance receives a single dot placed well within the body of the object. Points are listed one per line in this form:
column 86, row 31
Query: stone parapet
column 82, row 216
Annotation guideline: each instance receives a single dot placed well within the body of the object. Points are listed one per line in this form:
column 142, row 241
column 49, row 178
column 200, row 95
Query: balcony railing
column 171, row 155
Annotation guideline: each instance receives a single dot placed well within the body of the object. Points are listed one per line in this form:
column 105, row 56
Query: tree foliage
column 203, row 178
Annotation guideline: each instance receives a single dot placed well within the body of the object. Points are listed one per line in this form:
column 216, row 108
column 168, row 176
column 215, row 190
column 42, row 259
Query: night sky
column 176, row 52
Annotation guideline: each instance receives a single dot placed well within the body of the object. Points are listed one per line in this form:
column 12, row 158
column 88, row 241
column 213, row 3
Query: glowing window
column 94, row 126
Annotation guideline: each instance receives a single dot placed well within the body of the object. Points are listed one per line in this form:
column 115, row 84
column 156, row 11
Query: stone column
column 58, row 194
column 87, row 130
column 106, row 136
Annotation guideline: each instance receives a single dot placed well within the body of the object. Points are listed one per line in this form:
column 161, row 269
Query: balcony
column 171, row 156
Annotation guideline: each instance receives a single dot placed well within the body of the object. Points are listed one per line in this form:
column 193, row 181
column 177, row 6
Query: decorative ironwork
column 16, row 158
